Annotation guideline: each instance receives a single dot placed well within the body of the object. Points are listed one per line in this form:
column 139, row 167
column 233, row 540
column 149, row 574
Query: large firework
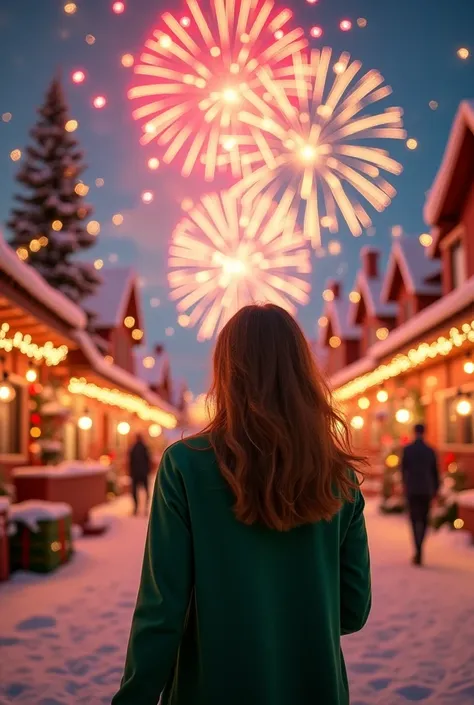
column 313, row 149
column 224, row 256
column 198, row 72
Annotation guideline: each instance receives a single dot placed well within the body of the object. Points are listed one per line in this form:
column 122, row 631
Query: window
column 11, row 424
column 458, row 264
column 457, row 429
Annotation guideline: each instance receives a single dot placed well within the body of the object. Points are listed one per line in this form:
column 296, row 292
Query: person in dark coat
column 421, row 482
column 140, row 467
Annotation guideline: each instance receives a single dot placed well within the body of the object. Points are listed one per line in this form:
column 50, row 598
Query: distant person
column 140, row 468
column 256, row 560
column 421, row 484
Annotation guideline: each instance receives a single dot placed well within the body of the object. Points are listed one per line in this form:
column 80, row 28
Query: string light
column 57, row 225
column 123, row 428
column 31, row 374
column 81, row 189
column 155, row 430
column 382, row 333
column 382, row 396
column 129, row 322
column 93, row 227
column 137, row 334
column 469, row 365
column 47, row 352
column 404, row 362
column 463, row 405
column 357, row 422
column 35, row 432
column 122, row 400
column 22, row 253
column 85, row 422
column 334, row 341
column 458, row 523
column 403, row 415
column 363, row 403
column 354, row 297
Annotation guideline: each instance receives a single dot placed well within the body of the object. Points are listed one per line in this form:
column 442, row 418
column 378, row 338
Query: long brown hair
column 280, row 442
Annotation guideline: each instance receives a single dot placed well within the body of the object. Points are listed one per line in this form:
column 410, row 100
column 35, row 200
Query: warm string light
column 48, row 353
column 402, row 363
column 122, row 400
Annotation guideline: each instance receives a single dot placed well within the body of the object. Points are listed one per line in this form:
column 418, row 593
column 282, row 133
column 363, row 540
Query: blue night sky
column 413, row 44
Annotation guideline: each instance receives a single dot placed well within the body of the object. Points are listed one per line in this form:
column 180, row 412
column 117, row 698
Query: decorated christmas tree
column 48, row 223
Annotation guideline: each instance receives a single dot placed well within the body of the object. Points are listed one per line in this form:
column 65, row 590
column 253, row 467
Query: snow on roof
column 416, row 269
column 427, row 319
column 434, row 204
column 38, row 288
column 122, row 378
column 337, row 313
column 370, row 289
column 110, row 300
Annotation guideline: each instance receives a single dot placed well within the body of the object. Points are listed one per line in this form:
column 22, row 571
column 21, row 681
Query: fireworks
column 224, row 256
column 312, row 147
column 196, row 75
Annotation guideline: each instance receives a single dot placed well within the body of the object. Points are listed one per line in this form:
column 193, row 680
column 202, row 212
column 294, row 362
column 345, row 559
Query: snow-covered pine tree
column 49, row 223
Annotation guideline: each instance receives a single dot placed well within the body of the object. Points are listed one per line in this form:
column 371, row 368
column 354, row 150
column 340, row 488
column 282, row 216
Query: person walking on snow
column 421, row 484
column 140, row 467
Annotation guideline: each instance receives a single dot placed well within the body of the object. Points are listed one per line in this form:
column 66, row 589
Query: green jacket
column 229, row 614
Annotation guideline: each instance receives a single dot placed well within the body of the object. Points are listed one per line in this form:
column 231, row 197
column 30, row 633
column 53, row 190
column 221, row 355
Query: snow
column 35, row 510
column 416, row 267
column 429, row 318
column 110, row 301
column 64, row 635
column 35, row 285
column 463, row 121
column 465, row 499
column 66, row 469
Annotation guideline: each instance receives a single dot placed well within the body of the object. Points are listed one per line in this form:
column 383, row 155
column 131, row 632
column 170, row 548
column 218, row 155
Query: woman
column 256, row 559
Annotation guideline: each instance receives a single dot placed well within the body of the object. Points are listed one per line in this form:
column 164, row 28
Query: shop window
column 458, row 264
column 457, row 429
column 12, row 424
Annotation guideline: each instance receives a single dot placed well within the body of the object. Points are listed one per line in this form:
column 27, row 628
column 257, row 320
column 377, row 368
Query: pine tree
column 49, row 223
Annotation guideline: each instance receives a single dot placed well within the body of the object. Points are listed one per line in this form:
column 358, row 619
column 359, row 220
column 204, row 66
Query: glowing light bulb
column 129, row 321
column 316, row 32
column 469, row 367
column 345, row 25
column 7, row 391
column 154, row 430
column 382, row 396
column 84, row 422
column 99, row 102
column 357, row 422
column 78, row 77
column 463, row 407
column 403, row 415
column 123, row 428
column 147, row 196
column 31, row 375
column 363, row 403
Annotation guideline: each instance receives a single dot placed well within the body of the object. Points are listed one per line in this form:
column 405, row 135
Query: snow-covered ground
column 63, row 636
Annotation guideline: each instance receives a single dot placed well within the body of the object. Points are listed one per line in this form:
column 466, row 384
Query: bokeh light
column 425, row 239
column 15, row 155
column 99, row 102
column 316, row 32
column 463, row 53
column 78, row 76
column 71, row 126
column 147, row 196
column 345, row 25
column 70, row 8
column 127, row 60
column 118, row 7
column 90, row 39
column 412, row 144
column 153, row 163
column 117, row 219
column 93, row 227
column 98, row 263
column 6, row 117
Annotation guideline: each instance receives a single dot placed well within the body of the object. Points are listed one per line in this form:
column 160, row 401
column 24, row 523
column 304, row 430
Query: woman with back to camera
column 256, row 560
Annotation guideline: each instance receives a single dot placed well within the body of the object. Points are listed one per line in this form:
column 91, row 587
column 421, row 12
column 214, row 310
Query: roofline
column 435, row 200
column 397, row 256
column 120, row 377
column 431, row 316
column 38, row 288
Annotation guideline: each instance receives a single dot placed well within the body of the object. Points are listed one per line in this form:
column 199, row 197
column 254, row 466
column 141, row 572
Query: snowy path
column 63, row 637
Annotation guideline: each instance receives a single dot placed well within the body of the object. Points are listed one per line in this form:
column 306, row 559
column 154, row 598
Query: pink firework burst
column 198, row 72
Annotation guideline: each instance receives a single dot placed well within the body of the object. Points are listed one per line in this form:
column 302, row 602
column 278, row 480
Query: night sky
column 413, row 44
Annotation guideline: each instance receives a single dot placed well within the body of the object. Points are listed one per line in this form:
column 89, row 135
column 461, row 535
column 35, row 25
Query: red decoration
column 35, row 419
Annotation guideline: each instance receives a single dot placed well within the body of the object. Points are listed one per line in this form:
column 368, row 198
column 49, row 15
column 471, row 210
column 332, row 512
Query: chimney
column 370, row 262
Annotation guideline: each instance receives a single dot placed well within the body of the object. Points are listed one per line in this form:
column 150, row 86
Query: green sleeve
column 356, row 594
column 164, row 594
